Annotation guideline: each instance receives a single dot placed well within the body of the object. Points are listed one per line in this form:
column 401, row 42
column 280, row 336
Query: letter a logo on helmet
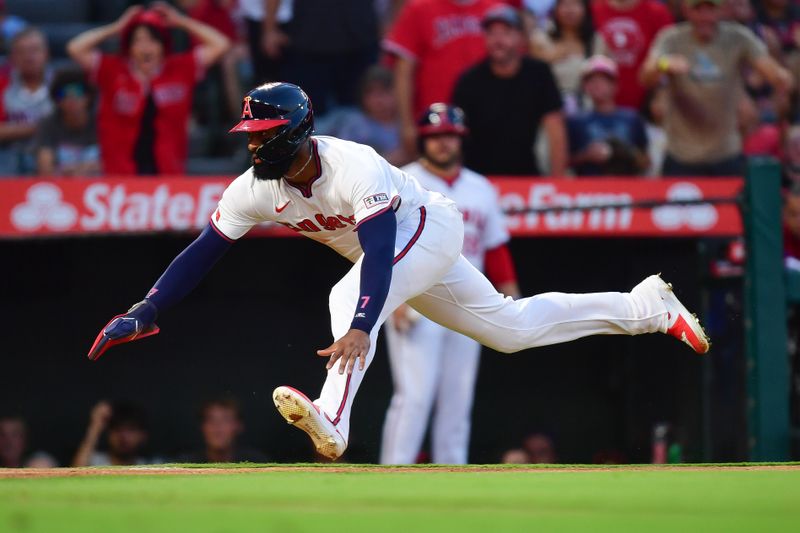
column 246, row 113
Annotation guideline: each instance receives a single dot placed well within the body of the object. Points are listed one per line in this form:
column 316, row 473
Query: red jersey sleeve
column 406, row 37
column 499, row 266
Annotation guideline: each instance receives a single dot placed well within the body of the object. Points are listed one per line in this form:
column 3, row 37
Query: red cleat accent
column 681, row 324
column 682, row 331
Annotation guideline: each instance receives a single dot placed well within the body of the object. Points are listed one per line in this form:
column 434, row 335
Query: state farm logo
column 696, row 217
column 44, row 208
column 595, row 215
column 115, row 206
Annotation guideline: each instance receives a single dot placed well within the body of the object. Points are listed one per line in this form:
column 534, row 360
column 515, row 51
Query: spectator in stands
column 653, row 111
column 14, row 444
column 537, row 12
column 221, row 425
column 145, row 92
column 701, row 60
column 225, row 75
column 10, row 25
column 760, row 109
column 127, row 436
column 742, row 11
column 65, row 143
column 609, row 140
column 782, row 17
column 791, row 158
column 506, row 98
column 791, row 227
column 540, row 448
column 565, row 47
column 375, row 123
column 626, row 29
column 433, row 43
column 330, row 46
column 24, row 99
column 758, row 126
column 265, row 22
column 537, row 448
column 779, row 27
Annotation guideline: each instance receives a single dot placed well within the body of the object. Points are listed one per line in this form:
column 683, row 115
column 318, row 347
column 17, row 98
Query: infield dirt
column 335, row 469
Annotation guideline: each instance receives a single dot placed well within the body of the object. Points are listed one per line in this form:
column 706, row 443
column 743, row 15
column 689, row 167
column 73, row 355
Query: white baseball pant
column 432, row 276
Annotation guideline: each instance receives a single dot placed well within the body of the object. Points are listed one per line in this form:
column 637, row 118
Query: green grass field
column 341, row 498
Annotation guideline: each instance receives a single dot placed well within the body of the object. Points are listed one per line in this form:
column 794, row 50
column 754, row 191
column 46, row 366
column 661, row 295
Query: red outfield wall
column 33, row 207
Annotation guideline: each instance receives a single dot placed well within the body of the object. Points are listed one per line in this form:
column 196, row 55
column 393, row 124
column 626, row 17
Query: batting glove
column 137, row 323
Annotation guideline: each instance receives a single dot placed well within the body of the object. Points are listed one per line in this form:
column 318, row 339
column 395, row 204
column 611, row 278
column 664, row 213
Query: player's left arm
column 234, row 216
column 377, row 238
column 183, row 274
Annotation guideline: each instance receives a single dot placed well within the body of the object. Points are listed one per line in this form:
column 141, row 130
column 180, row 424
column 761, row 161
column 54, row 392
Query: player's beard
column 270, row 171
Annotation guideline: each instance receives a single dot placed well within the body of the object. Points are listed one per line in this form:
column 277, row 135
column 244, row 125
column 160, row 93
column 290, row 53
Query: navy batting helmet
column 277, row 105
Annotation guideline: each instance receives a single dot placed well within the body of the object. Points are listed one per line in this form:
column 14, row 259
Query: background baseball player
column 405, row 243
column 431, row 364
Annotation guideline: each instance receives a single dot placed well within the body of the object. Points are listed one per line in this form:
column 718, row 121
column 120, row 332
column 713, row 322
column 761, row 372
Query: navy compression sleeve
column 186, row 270
column 377, row 237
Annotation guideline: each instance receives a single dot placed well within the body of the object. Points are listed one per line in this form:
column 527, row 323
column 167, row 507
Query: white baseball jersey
column 476, row 198
column 429, row 273
column 431, row 365
column 354, row 185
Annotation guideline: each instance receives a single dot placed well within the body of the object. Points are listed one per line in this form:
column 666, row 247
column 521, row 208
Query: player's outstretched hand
column 137, row 323
column 354, row 345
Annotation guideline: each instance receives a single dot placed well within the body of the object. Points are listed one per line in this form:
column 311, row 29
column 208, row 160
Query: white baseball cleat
column 681, row 324
column 301, row 412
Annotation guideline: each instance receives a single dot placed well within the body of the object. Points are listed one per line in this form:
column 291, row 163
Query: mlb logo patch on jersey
column 376, row 199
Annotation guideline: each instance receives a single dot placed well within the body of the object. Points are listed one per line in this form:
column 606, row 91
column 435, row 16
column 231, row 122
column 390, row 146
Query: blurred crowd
column 549, row 87
column 118, row 434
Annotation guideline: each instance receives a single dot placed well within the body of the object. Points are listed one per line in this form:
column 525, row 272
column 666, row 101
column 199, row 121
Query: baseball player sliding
column 405, row 243
column 431, row 364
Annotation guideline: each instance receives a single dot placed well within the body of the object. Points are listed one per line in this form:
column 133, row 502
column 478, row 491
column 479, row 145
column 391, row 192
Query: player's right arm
column 234, row 217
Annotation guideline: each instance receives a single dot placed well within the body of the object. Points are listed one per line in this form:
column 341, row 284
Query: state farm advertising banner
column 33, row 207
column 663, row 221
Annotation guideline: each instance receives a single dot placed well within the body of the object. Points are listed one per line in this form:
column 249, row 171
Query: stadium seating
column 64, row 19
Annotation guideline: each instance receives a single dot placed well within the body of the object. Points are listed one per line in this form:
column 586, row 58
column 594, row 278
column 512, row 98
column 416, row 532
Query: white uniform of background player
column 434, row 368
column 328, row 189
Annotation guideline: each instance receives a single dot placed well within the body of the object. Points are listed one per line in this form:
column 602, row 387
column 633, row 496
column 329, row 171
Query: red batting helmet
column 441, row 118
